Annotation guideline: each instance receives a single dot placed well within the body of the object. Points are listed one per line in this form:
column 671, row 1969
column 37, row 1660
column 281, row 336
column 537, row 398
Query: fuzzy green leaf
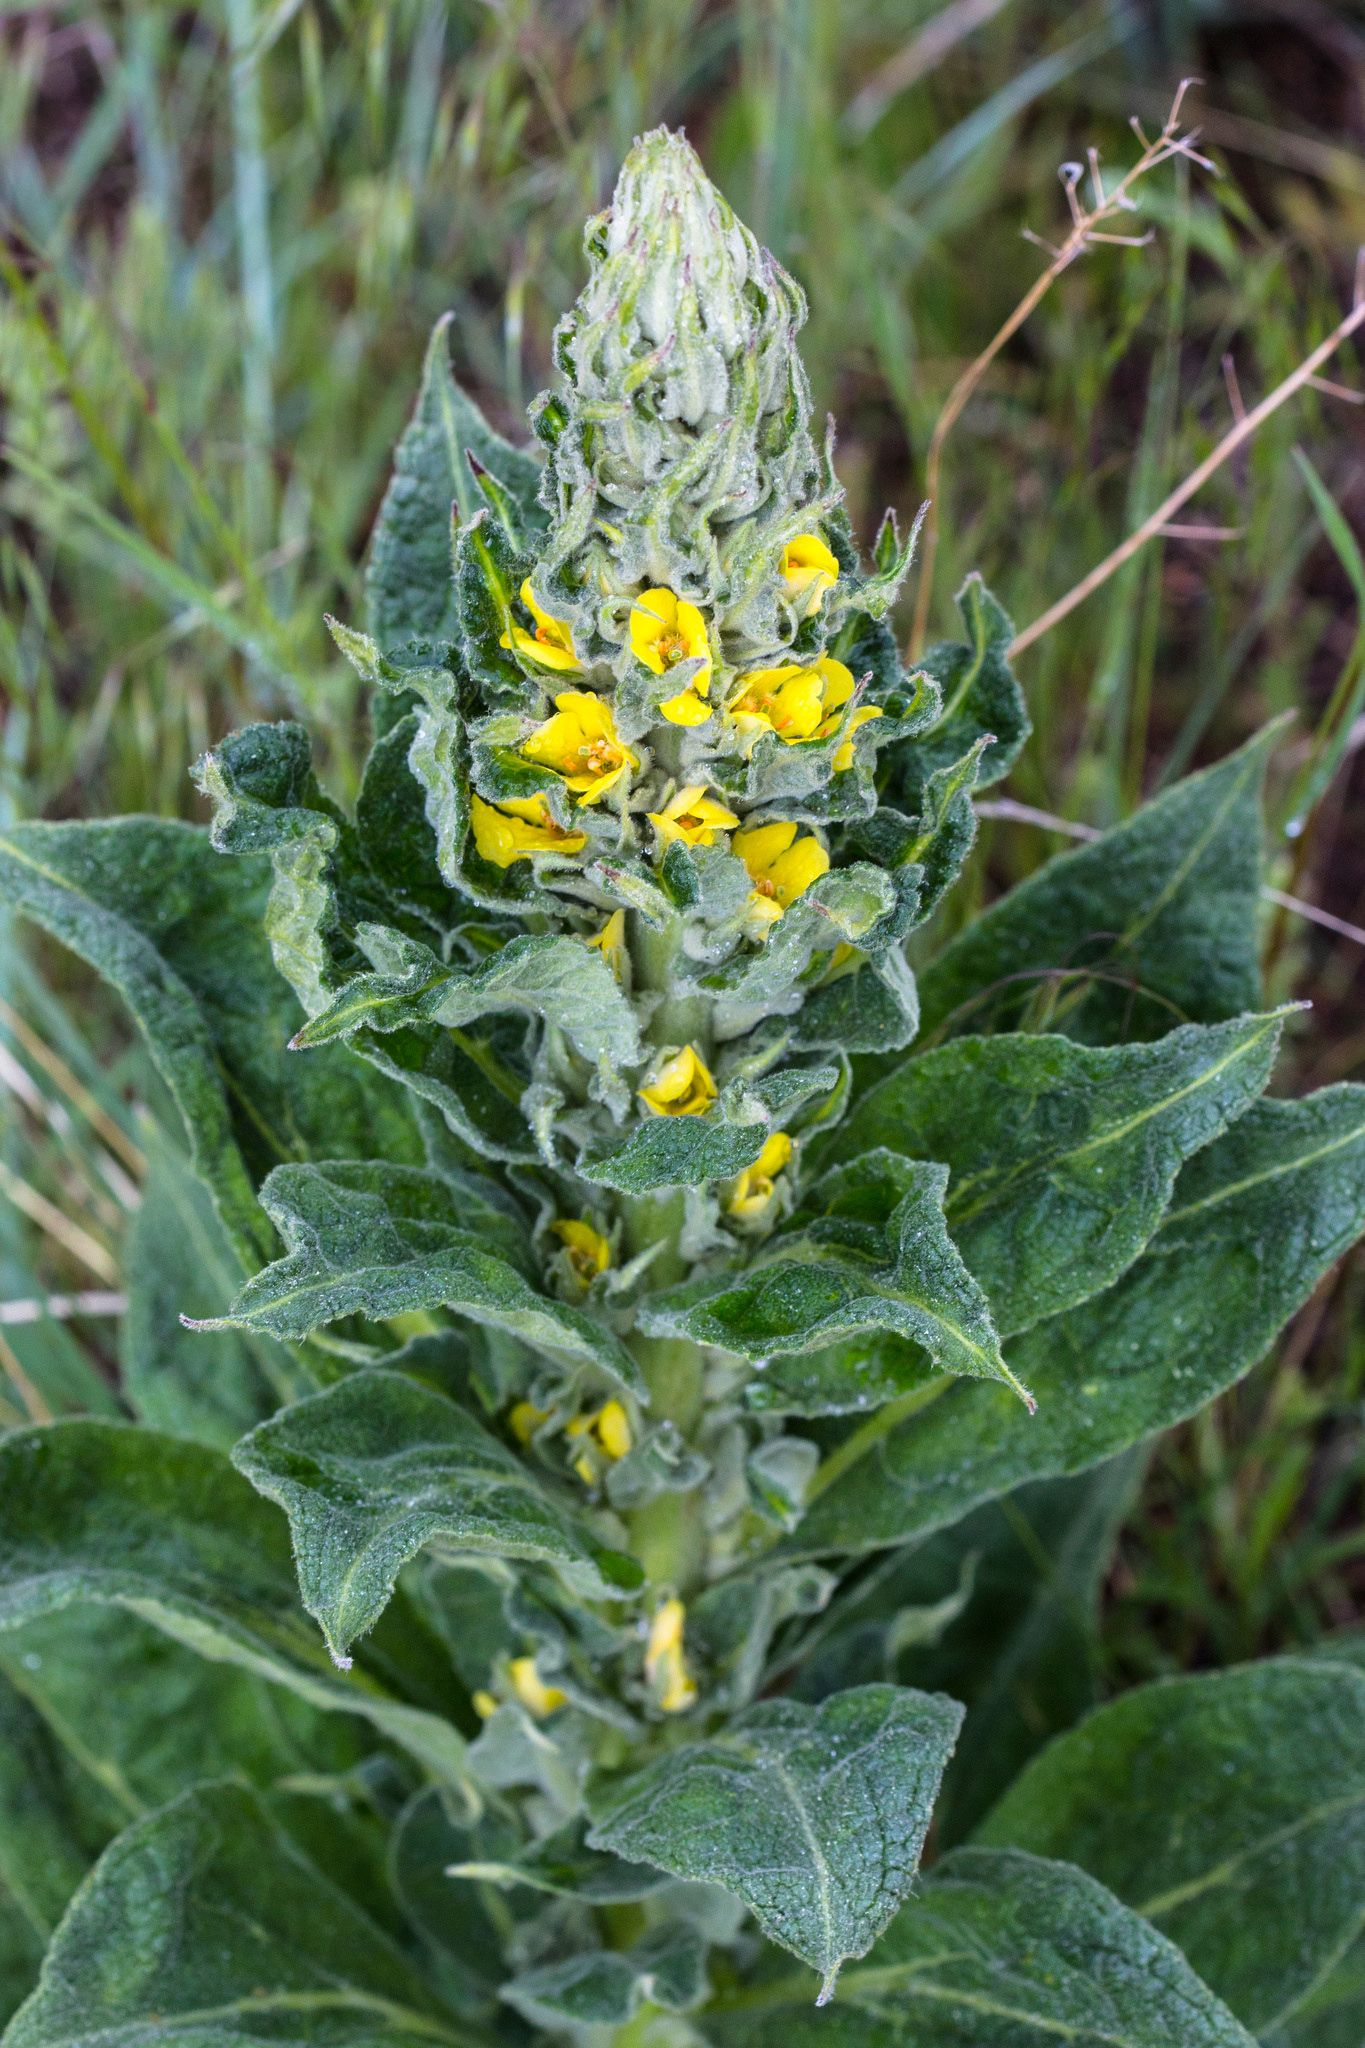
column 804, row 1294
column 176, row 1262
column 815, row 1817
column 1229, row 1809
column 1255, row 1221
column 377, row 1468
column 1163, row 909
column 204, row 1926
column 97, row 1512
column 111, row 893
column 399, row 842
column 177, row 930
column 1062, row 1156
column 162, row 1718
column 607, row 1987
column 1000, row 1611
column 383, row 1241
column 1000, row 1950
column 553, row 976
column 463, row 1078
column 687, row 1151
column 409, row 583
column 54, row 1820
column 981, row 699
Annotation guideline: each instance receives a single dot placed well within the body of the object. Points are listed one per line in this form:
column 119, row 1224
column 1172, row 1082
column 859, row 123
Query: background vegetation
column 225, row 233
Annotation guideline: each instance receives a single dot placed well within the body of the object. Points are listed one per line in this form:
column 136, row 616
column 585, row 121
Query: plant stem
column 872, row 1431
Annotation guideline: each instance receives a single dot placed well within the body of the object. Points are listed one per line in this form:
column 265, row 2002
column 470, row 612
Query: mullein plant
column 699, row 1332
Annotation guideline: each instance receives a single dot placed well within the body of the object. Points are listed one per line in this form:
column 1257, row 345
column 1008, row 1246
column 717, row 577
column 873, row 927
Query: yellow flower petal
column 664, row 630
column 513, row 831
column 550, row 645
column 610, row 942
column 530, row 1688
column 612, row 1429
column 682, row 1086
column 787, row 700
column 792, row 873
column 589, row 1252
column 665, row 1666
column 781, row 866
column 754, row 1188
column 808, row 569
column 484, row 1704
column 687, row 708
column 692, row 816
column 607, row 1431
column 843, row 756
column 580, row 743
column 525, row 1419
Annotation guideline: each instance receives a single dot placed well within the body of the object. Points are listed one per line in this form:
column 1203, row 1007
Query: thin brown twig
column 11, row 1365
column 1086, row 230
column 1241, row 431
column 75, row 1091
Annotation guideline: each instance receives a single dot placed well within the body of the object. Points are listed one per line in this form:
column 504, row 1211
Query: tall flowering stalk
column 650, row 1285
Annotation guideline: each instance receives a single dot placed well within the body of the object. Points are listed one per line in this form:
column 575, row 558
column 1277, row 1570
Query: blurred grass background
column 225, row 232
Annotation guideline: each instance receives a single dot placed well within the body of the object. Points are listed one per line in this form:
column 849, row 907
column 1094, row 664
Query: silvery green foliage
column 581, row 1462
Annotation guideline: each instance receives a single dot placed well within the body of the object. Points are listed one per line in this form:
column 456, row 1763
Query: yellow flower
column 665, row 630
column 682, row 1086
column 754, row 1188
column 551, row 644
column 843, row 756
column 589, row 1252
column 665, row 1667
column 794, row 702
column 608, row 1430
column 781, row 866
column 484, row 1704
column 525, row 1419
column 530, row 1688
column 513, row 831
column 580, row 744
column 808, row 570
column 610, row 942
column 693, row 817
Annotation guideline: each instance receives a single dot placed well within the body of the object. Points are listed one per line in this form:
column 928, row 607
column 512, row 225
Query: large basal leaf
column 96, row 1512
column 1000, row 1950
column 1062, row 1155
column 54, row 1820
column 1332, row 2016
column 551, row 975
column 204, row 1926
column 981, row 699
column 162, row 1718
column 1256, row 1220
column 178, row 931
column 1163, row 910
column 807, row 1295
column 999, row 1611
column 409, row 583
column 111, row 893
column 814, row 1816
column 376, row 1468
column 79, row 1760
column 177, row 1261
column 383, row 1241
column 1229, row 1809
